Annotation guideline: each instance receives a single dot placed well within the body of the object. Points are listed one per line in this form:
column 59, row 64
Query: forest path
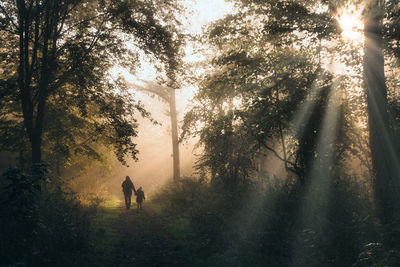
column 144, row 239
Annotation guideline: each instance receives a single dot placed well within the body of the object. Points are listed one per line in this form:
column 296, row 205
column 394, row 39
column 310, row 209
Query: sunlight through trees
column 284, row 117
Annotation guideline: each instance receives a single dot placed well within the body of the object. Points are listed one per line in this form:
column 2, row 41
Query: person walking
column 127, row 188
column 139, row 198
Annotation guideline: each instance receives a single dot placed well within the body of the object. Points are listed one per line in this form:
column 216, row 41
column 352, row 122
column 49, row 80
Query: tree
column 383, row 152
column 265, row 79
column 66, row 48
column 168, row 95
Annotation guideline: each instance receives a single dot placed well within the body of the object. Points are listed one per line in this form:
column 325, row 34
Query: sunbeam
column 303, row 114
column 378, row 107
column 314, row 206
column 251, row 217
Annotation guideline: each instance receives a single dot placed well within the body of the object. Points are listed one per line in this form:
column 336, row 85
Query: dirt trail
column 145, row 240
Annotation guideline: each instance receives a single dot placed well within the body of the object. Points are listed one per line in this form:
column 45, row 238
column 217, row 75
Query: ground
column 133, row 238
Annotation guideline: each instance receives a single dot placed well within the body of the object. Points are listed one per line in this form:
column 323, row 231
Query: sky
column 204, row 12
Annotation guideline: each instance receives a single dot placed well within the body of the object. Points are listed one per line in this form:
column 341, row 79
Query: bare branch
column 154, row 88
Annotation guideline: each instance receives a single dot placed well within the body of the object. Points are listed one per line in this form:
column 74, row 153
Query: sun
column 351, row 23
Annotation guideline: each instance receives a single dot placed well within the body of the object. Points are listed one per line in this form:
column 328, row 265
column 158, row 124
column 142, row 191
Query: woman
column 127, row 188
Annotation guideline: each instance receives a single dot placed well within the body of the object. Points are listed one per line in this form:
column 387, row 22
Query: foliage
column 57, row 60
column 391, row 30
column 258, row 88
column 254, row 226
column 270, row 95
column 45, row 225
column 374, row 254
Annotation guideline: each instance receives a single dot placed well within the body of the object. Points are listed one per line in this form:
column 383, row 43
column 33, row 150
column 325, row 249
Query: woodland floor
column 133, row 238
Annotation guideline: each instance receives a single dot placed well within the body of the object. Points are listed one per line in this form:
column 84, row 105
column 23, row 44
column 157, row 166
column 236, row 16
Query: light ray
column 377, row 101
column 251, row 213
column 306, row 109
column 316, row 195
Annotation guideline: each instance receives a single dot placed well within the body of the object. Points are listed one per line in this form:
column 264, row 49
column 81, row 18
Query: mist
column 287, row 110
column 154, row 166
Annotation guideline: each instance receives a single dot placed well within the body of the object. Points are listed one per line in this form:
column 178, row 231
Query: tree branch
column 8, row 16
column 154, row 88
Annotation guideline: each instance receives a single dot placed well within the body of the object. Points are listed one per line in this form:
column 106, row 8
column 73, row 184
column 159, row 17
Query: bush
column 43, row 224
column 253, row 226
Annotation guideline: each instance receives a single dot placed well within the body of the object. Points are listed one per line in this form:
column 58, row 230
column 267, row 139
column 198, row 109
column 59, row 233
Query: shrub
column 43, row 224
column 252, row 225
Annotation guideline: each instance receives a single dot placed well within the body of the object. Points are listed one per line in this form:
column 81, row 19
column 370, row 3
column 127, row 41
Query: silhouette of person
column 127, row 188
column 139, row 198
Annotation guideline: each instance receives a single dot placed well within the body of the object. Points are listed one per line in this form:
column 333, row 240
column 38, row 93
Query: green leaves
column 60, row 72
column 266, row 67
column 286, row 17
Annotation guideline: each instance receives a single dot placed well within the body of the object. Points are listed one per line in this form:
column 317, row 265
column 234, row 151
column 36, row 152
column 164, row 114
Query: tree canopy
column 294, row 110
column 58, row 61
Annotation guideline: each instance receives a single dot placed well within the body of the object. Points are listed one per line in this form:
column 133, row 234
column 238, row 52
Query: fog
column 154, row 167
column 155, row 163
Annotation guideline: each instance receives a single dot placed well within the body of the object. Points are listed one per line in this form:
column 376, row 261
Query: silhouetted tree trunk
column 382, row 153
column 37, row 47
column 174, row 133
column 168, row 95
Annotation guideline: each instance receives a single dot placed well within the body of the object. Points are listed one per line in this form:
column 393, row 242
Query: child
column 139, row 198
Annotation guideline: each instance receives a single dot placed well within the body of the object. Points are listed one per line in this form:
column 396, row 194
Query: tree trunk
column 175, row 141
column 33, row 100
column 382, row 153
column 168, row 95
column 36, row 143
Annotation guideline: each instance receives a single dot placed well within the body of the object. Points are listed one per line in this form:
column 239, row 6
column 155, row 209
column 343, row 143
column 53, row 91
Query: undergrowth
column 273, row 225
column 43, row 224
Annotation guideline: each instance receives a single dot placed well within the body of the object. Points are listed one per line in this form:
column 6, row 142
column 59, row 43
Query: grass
column 104, row 235
column 130, row 238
